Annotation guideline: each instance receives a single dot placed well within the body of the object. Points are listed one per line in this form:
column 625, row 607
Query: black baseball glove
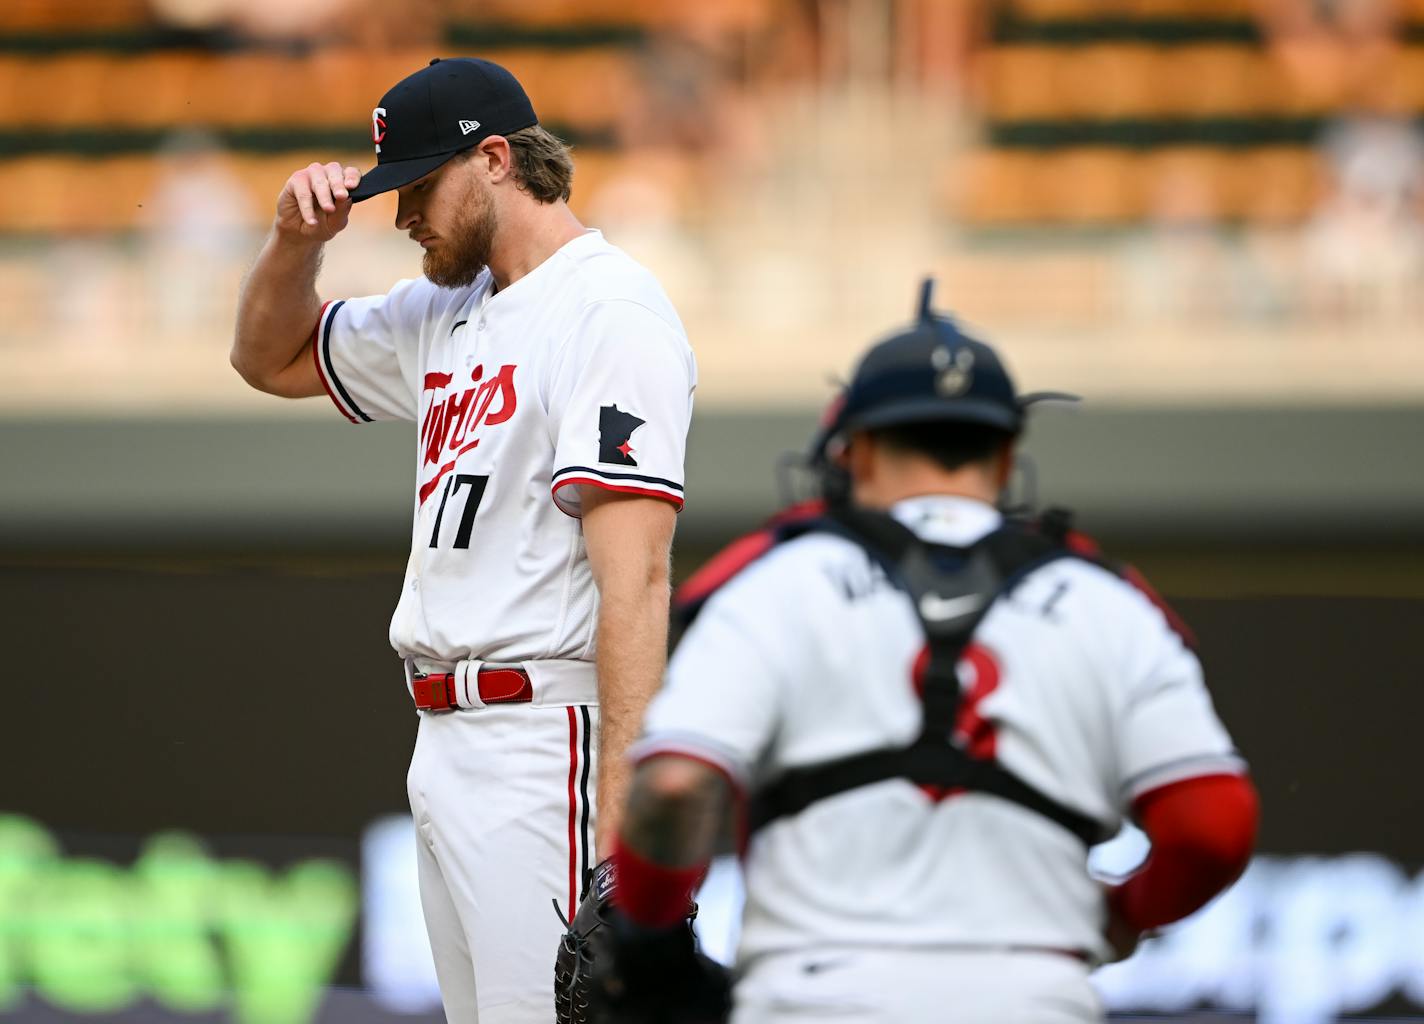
column 610, row 971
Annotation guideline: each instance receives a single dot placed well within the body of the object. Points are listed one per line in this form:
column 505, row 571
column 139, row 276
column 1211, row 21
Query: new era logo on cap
column 469, row 126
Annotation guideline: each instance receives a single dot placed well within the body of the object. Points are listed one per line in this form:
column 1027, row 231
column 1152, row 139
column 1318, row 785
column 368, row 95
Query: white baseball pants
column 909, row 986
column 503, row 804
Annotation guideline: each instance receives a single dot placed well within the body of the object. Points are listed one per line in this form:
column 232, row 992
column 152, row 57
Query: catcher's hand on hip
column 611, row 971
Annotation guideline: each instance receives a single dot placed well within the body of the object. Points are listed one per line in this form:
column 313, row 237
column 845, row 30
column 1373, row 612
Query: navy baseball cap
column 932, row 373
column 424, row 120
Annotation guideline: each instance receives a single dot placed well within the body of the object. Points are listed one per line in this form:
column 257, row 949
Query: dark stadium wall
column 265, row 702
column 195, row 613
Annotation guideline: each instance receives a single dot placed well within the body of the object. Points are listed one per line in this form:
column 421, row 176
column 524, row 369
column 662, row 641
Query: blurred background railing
column 1231, row 190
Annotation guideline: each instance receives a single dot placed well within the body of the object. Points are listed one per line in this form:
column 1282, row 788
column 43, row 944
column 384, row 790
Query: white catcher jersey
column 578, row 372
column 1075, row 682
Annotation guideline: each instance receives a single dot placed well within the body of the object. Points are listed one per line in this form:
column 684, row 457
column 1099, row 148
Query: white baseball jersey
column 1075, row 682
column 578, row 372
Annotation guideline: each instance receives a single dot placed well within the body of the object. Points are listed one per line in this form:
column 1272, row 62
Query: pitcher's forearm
column 632, row 655
column 278, row 305
column 276, row 309
column 629, row 541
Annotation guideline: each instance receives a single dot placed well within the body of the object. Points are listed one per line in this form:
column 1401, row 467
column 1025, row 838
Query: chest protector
column 952, row 589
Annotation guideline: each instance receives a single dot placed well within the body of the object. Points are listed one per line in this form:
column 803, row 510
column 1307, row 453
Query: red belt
column 438, row 691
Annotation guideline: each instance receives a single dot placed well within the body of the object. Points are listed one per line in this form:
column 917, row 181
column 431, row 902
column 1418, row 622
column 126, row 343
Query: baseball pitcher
column 920, row 714
column 551, row 384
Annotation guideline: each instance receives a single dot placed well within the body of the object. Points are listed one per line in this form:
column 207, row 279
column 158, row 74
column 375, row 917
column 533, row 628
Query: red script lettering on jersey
column 448, row 428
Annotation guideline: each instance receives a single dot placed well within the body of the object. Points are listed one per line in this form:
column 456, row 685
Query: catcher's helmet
column 930, row 373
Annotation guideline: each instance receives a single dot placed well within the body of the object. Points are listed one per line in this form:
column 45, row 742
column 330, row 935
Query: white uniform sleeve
column 366, row 352
column 1167, row 729
column 620, row 404
column 727, row 683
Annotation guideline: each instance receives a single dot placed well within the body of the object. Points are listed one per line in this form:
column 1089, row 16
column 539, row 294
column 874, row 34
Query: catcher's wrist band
column 653, row 895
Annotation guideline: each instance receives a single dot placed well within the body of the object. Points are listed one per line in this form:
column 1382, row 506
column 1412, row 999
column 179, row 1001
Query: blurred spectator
column 1364, row 248
column 1179, row 269
column 200, row 233
column 196, row 15
column 683, row 79
column 936, row 41
column 94, row 304
column 316, row 21
column 1335, row 50
column 1366, row 244
column 377, row 25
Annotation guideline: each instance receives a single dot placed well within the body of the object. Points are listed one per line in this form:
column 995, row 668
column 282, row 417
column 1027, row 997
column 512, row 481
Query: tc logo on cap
column 378, row 126
column 469, row 126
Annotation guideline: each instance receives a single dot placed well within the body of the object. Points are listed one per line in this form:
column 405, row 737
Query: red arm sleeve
column 653, row 895
column 1202, row 832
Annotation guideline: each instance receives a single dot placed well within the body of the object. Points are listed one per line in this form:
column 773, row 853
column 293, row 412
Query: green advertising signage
column 189, row 931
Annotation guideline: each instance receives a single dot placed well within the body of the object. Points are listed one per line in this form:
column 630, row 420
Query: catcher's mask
column 931, row 372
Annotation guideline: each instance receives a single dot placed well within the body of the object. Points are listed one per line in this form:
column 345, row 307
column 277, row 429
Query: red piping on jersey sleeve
column 653, row 895
column 1202, row 832
column 698, row 758
column 646, row 492
column 320, row 371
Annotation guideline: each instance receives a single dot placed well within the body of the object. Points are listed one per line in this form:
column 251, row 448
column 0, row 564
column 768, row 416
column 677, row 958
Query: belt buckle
column 434, row 692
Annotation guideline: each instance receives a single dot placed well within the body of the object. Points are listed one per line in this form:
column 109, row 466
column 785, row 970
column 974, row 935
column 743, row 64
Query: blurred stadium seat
column 58, row 194
column 337, row 87
column 1102, row 97
column 721, row 14
column 1093, row 185
column 1019, row 83
column 1107, row 81
column 1125, row 114
column 1183, row 90
column 74, row 15
column 997, row 186
column 1275, row 184
column 1269, row 184
column 103, row 80
column 1049, row 10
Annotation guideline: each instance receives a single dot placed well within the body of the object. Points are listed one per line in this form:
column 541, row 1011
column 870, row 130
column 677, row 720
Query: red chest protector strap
column 727, row 564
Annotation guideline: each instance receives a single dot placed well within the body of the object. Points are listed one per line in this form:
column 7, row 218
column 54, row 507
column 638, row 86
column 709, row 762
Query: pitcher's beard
column 464, row 248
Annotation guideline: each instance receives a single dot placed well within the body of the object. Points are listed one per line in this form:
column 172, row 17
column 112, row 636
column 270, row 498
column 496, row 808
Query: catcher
column 920, row 714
